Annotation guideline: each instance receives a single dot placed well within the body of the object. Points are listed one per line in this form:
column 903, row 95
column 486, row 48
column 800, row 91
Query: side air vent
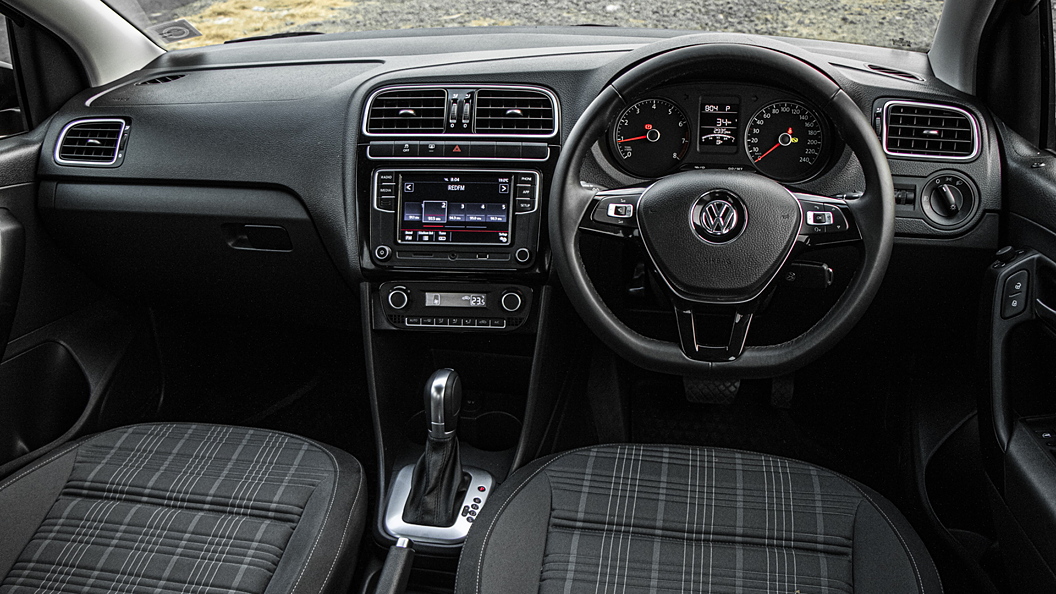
column 161, row 79
column 407, row 110
column 514, row 111
column 894, row 72
column 928, row 130
column 91, row 142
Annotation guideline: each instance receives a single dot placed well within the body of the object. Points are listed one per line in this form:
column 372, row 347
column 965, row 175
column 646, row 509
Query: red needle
column 767, row 152
column 630, row 139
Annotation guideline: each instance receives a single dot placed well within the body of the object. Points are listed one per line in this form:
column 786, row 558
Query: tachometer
column 785, row 141
column 651, row 137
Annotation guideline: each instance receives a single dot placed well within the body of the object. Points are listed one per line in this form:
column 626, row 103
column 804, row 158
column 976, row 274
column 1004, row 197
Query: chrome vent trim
column 411, row 110
column 930, row 131
column 450, row 91
column 511, row 111
column 93, row 142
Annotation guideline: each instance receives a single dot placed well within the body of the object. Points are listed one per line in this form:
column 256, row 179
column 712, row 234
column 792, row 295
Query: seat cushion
column 629, row 518
column 183, row 508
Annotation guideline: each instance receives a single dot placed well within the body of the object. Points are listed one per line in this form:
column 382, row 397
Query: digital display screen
column 718, row 122
column 455, row 208
column 456, row 299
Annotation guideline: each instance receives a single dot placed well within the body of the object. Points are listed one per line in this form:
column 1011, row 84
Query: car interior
column 527, row 309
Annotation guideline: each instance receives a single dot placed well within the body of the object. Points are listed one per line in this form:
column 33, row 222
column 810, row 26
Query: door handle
column 12, row 261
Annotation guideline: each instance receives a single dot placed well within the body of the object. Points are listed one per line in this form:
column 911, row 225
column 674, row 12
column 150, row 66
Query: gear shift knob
column 443, row 403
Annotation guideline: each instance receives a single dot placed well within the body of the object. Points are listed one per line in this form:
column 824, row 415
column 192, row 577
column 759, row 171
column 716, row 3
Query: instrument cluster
column 726, row 126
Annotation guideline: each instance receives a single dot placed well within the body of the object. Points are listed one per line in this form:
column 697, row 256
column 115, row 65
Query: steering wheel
column 720, row 238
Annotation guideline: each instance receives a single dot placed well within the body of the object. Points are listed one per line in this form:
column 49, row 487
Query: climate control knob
column 511, row 301
column 399, row 297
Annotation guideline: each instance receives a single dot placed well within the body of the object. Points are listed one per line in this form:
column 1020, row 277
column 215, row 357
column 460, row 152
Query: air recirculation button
column 948, row 200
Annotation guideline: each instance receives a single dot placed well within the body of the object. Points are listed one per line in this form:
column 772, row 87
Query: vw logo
column 718, row 218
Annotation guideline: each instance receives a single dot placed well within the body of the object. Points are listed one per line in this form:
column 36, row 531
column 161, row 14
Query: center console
column 453, row 180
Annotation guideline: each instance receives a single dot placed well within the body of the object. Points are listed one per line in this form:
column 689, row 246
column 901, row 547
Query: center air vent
column 91, row 142
column 927, row 130
column 514, row 111
column 407, row 110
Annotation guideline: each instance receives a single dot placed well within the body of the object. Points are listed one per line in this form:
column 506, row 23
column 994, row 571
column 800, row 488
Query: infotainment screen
column 455, row 207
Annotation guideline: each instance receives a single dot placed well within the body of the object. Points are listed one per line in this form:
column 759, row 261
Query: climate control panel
column 457, row 307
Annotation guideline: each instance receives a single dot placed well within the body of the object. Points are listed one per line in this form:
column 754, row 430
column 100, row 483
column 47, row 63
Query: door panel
column 1017, row 409
column 62, row 337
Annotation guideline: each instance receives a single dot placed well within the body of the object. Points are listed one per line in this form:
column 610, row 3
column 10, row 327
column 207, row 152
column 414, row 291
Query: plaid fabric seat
column 182, row 508
column 633, row 519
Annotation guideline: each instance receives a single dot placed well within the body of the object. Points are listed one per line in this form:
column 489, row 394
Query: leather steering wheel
column 720, row 238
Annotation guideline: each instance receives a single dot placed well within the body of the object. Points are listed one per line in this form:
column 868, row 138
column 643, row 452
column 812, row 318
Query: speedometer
column 651, row 137
column 785, row 141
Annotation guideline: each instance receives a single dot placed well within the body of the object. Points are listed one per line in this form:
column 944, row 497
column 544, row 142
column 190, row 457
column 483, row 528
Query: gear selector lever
column 438, row 482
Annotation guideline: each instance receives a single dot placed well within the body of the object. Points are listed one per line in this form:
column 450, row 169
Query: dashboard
column 308, row 174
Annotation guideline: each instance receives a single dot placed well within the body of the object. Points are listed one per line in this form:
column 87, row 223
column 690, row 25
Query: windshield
column 883, row 23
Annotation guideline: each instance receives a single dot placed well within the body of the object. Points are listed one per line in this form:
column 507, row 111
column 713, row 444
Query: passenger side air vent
column 162, row 79
column 894, row 72
column 407, row 110
column 514, row 111
column 927, row 130
column 91, row 142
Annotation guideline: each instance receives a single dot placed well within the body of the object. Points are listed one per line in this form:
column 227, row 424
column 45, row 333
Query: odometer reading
column 785, row 141
column 651, row 137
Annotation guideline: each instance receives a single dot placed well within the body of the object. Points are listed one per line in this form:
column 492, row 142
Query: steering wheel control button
column 620, row 211
column 821, row 218
column 718, row 216
column 383, row 252
column 511, row 301
column 1014, row 296
column 815, row 218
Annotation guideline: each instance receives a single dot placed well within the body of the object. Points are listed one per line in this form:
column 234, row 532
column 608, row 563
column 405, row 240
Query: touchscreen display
column 455, row 208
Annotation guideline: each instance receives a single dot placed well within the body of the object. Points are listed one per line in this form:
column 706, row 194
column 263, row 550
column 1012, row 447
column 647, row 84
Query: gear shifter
column 438, row 480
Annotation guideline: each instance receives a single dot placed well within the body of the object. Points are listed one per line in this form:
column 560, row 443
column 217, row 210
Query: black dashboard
column 276, row 175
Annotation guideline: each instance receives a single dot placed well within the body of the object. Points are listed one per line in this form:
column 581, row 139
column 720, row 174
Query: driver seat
column 647, row 518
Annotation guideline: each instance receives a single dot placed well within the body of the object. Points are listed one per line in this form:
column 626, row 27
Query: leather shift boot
column 436, row 484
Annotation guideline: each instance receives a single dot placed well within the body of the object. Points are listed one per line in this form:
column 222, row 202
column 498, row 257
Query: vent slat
column 928, row 130
column 162, row 79
column 91, row 142
column 494, row 106
column 428, row 109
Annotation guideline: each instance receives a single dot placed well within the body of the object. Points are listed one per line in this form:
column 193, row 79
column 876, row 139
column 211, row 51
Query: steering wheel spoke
column 713, row 333
column 825, row 221
column 613, row 212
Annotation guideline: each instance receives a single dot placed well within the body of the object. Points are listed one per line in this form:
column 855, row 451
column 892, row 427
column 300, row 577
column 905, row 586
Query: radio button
column 482, row 150
column 508, row 150
column 386, row 189
column 525, row 192
column 524, row 205
column 387, row 203
column 522, row 255
column 380, row 149
column 383, row 252
column 534, row 150
column 526, row 179
column 386, row 177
